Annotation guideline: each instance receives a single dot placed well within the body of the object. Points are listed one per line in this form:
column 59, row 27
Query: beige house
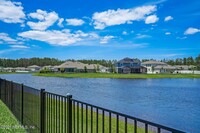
column 34, row 68
column 185, row 67
column 164, row 69
column 74, row 66
column 150, row 65
column 8, row 69
column 21, row 69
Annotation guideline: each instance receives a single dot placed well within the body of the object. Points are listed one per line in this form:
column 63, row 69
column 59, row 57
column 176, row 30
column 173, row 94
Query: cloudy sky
column 106, row 29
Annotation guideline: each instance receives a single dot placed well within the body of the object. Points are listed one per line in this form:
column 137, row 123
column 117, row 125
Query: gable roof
column 71, row 64
column 165, row 67
column 78, row 65
column 129, row 60
column 153, row 62
column 34, row 66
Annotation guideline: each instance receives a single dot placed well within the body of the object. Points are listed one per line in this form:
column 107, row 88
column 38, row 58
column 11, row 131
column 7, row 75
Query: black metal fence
column 45, row 112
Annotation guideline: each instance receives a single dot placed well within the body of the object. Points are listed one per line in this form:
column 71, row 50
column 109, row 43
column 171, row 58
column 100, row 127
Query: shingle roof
column 34, row 66
column 78, row 65
column 165, row 67
column 128, row 60
column 153, row 62
column 71, row 64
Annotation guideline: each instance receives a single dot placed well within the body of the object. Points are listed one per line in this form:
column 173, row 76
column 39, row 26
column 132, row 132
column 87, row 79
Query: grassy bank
column 8, row 123
column 15, row 73
column 8, row 73
column 112, row 75
column 57, row 114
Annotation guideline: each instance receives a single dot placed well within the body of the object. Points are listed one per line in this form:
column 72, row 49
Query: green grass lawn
column 8, row 123
column 56, row 113
column 112, row 75
column 8, row 73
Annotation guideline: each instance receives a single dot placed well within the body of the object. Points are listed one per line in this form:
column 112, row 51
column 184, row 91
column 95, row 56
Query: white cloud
column 167, row 33
column 121, row 16
column 60, row 21
column 191, row 31
column 55, row 37
column 181, row 38
column 75, row 22
column 45, row 19
column 11, row 12
column 151, row 19
column 19, row 46
column 105, row 39
column 126, row 45
column 124, row 33
column 142, row 36
column 5, row 39
column 168, row 18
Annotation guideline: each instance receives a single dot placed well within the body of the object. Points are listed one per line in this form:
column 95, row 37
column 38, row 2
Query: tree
column 98, row 69
column 184, row 61
column 85, row 69
column 197, row 60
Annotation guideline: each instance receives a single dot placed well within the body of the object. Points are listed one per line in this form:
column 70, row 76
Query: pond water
column 171, row 102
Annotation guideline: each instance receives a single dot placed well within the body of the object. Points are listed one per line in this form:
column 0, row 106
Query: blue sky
column 99, row 29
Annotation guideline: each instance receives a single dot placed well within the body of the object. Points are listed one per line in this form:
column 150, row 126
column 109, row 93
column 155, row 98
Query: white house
column 150, row 65
column 164, row 69
column 34, row 68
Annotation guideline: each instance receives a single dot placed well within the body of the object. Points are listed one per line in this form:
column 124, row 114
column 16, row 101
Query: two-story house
column 128, row 65
column 155, row 66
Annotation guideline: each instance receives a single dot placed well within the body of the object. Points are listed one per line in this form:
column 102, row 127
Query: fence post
column 0, row 87
column 5, row 94
column 69, row 113
column 42, row 111
column 11, row 98
column 22, row 111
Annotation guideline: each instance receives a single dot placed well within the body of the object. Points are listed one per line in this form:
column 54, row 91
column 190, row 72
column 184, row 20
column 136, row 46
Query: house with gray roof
column 34, row 68
column 185, row 67
column 164, row 69
column 74, row 66
column 128, row 65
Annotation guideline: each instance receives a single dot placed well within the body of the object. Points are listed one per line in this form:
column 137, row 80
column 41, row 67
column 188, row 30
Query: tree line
column 25, row 62
column 180, row 61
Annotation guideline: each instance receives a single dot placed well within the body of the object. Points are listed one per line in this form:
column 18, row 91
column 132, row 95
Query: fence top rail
column 131, row 117
column 55, row 94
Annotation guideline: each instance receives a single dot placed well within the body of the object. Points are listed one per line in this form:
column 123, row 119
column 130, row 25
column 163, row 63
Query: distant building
column 185, row 67
column 128, row 65
column 8, row 69
column 21, row 69
column 164, row 69
column 102, row 69
column 150, row 65
column 34, row 68
column 1, row 69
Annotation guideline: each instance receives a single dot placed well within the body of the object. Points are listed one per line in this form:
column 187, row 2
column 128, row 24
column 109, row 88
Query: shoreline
column 116, row 76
